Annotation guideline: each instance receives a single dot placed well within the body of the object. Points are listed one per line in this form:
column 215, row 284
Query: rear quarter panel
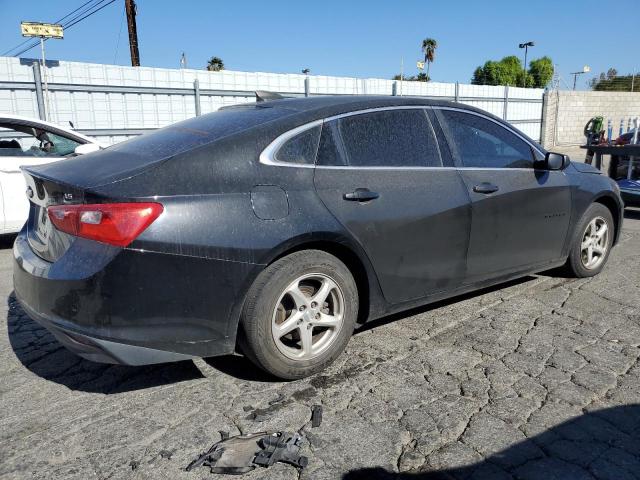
column 209, row 213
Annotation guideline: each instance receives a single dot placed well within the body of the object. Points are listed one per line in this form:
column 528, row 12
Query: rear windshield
column 135, row 155
column 197, row 131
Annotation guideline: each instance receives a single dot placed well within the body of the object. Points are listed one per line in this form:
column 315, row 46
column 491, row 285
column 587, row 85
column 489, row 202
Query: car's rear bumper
column 101, row 350
column 130, row 307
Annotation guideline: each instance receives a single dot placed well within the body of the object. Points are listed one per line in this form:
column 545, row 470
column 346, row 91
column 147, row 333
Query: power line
column 87, row 16
column 115, row 55
column 57, row 21
column 74, row 11
column 72, row 22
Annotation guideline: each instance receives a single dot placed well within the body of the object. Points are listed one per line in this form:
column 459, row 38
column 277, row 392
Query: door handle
column 485, row 187
column 361, row 195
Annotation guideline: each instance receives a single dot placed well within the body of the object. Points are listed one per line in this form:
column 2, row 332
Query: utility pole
column 130, row 7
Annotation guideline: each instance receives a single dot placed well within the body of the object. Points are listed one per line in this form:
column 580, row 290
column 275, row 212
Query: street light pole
column 524, row 68
column 43, row 30
column 46, row 84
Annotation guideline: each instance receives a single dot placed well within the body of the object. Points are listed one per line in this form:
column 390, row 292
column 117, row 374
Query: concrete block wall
column 565, row 114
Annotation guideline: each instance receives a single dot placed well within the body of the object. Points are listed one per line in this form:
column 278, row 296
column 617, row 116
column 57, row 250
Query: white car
column 25, row 141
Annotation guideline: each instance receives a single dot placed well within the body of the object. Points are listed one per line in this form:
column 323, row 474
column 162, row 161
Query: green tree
column 540, row 71
column 215, row 64
column 509, row 71
column 429, row 46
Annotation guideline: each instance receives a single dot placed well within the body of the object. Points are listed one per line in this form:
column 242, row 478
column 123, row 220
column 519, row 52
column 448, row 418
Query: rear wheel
column 299, row 314
column 592, row 242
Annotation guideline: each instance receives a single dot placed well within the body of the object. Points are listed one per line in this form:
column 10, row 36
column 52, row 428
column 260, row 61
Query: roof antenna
column 264, row 96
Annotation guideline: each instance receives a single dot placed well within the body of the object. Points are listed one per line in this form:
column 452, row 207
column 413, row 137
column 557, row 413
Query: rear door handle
column 485, row 187
column 361, row 195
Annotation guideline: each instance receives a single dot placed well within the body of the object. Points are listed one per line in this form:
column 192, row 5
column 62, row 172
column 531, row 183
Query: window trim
column 293, row 137
column 267, row 156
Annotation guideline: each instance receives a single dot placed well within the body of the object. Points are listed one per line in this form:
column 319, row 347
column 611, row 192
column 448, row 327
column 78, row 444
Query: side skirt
column 436, row 297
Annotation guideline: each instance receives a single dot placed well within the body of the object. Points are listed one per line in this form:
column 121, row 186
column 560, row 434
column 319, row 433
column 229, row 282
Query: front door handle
column 485, row 187
column 361, row 195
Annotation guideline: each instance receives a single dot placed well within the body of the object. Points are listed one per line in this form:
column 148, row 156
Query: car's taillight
column 113, row 223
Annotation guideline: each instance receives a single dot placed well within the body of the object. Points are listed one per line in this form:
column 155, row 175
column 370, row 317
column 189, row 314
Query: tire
column 578, row 263
column 285, row 292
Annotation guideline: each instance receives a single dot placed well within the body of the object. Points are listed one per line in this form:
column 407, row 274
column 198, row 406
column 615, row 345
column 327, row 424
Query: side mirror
column 86, row 148
column 556, row 161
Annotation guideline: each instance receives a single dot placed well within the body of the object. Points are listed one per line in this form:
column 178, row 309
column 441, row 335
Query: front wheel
column 592, row 242
column 299, row 314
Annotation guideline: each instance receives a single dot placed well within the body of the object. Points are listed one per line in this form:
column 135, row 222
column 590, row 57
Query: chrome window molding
column 267, row 157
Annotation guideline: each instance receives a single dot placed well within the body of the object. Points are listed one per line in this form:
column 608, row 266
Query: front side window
column 482, row 143
column 300, row 149
column 389, row 138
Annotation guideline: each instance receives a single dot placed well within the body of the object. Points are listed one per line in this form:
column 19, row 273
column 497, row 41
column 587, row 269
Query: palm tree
column 215, row 64
column 429, row 46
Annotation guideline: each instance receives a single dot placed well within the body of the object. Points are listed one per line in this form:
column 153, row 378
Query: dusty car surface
column 279, row 226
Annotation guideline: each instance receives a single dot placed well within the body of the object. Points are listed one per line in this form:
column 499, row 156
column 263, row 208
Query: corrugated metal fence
column 112, row 102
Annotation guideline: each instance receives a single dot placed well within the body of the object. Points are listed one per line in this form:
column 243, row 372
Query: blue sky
column 357, row 38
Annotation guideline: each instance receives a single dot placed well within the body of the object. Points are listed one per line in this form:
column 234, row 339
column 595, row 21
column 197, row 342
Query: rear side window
column 389, row 138
column 300, row 149
column 482, row 143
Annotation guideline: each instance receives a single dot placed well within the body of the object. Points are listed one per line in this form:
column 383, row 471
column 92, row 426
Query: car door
column 520, row 211
column 381, row 175
column 25, row 144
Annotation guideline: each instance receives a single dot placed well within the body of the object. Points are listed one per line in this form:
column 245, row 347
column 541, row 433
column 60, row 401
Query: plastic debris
column 316, row 416
column 243, row 453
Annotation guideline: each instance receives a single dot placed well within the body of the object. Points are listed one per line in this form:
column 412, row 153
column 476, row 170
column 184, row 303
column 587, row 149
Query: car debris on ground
column 243, row 453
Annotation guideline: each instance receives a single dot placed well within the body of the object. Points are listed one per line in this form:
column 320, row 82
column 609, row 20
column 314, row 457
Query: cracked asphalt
column 538, row 378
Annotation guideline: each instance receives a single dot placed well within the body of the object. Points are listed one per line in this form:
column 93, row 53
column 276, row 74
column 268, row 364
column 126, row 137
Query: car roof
column 344, row 103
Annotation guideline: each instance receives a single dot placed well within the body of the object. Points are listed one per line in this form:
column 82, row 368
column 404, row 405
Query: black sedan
column 279, row 226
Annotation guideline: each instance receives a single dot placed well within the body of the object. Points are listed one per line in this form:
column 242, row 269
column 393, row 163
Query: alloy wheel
column 595, row 241
column 308, row 316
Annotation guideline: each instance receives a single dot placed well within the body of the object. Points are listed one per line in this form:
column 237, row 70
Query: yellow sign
column 420, row 65
column 37, row 29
